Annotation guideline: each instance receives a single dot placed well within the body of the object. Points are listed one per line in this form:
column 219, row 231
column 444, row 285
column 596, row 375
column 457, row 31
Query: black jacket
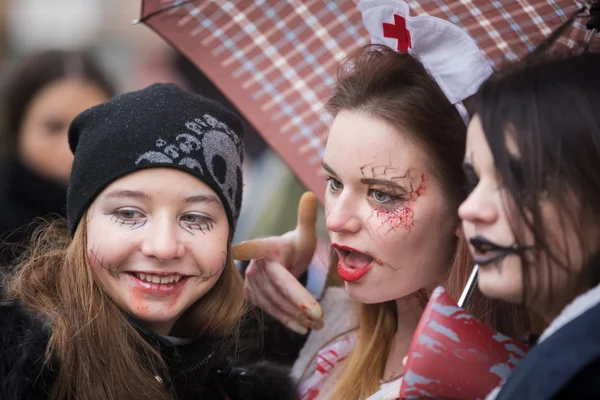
column 24, row 196
column 565, row 364
column 195, row 371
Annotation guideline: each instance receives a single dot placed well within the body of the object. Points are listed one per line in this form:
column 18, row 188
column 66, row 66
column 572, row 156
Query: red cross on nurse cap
column 448, row 52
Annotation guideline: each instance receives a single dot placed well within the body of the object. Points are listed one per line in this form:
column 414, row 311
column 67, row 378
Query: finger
column 262, row 290
column 293, row 290
column 307, row 225
column 278, row 314
column 274, row 296
column 259, row 299
column 270, row 247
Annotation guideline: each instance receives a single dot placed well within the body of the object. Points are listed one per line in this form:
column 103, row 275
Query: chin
column 494, row 290
column 365, row 294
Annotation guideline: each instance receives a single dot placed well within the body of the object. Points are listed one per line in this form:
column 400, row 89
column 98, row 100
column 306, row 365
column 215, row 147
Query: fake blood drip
column 403, row 217
column 138, row 301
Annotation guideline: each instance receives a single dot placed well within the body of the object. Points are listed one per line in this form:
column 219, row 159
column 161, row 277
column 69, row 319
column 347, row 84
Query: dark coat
column 565, row 364
column 24, row 196
column 195, row 371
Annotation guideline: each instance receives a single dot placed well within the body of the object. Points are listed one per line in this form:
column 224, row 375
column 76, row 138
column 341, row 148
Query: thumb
column 269, row 247
column 306, row 240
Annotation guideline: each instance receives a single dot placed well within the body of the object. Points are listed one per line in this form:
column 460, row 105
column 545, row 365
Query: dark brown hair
column 33, row 74
column 396, row 88
column 550, row 107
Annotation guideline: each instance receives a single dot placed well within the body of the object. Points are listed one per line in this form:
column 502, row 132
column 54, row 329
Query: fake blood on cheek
column 403, row 217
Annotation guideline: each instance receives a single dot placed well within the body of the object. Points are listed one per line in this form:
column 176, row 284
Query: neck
column 409, row 312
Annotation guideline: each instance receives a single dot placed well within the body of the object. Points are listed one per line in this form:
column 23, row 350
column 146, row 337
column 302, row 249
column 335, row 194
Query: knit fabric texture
column 161, row 126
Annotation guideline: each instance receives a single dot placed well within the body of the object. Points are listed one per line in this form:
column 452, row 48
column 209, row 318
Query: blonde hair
column 91, row 338
column 396, row 88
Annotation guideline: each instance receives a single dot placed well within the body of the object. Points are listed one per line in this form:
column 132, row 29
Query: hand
column 277, row 261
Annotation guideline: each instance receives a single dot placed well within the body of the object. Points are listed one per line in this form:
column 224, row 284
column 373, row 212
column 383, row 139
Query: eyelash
column 471, row 178
column 331, row 182
column 205, row 223
column 118, row 216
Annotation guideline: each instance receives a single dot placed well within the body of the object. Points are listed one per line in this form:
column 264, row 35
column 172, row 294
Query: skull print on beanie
column 161, row 126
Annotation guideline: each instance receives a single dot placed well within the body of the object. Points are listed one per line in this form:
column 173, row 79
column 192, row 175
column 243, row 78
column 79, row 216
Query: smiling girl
column 138, row 298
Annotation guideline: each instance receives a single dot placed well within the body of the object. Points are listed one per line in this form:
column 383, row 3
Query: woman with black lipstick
column 533, row 160
column 136, row 296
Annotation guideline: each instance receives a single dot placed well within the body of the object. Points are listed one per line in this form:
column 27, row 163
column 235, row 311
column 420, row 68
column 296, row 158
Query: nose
column 479, row 207
column 342, row 214
column 162, row 240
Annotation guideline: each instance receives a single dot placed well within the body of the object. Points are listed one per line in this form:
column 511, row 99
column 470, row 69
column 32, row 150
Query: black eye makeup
column 333, row 184
column 471, row 178
column 129, row 217
column 193, row 222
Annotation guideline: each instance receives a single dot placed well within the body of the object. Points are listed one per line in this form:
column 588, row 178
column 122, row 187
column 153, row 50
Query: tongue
column 357, row 260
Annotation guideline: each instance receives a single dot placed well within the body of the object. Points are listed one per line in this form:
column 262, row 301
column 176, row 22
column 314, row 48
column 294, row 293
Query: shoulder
column 19, row 325
column 584, row 385
column 567, row 360
column 23, row 341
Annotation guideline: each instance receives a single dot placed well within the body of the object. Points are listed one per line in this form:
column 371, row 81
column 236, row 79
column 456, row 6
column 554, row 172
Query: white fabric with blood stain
column 317, row 386
column 325, row 349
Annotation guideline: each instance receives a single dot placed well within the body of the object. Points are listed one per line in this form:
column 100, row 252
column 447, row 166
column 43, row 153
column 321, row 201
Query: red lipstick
column 353, row 264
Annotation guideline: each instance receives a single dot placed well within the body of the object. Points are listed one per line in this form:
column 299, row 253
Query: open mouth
column 353, row 264
column 354, row 258
column 487, row 252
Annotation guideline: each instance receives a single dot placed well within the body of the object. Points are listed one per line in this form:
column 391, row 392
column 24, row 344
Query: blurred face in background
column 42, row 141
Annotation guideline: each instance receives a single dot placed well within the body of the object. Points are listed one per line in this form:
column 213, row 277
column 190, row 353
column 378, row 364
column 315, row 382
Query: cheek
column 108, row 247
column 400, row 218
column 210, row 255
column 328, row 203
column 404, row 216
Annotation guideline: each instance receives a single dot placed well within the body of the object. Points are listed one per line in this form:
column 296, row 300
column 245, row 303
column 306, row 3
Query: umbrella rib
column 558, row 32
column 162, row 10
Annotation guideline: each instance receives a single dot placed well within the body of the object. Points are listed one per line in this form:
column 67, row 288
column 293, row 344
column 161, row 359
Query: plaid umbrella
column 276, row 59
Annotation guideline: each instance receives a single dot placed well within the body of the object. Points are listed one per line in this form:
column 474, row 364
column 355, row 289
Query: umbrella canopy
column 276, row 60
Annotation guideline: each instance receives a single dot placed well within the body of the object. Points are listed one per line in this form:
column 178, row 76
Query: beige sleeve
column 339, row 316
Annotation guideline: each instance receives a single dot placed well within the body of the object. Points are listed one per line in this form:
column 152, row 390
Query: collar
column 33, row 190
column 577, row 307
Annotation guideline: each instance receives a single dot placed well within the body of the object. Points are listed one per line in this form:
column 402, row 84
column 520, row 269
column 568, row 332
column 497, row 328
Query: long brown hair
column 100, row 354
column 396, row 88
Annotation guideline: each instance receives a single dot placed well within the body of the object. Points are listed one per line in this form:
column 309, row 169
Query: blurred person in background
column 39, row 99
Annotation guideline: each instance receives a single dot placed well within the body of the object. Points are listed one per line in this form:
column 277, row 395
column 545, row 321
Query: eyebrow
column 205, row 198
column 371, row 181
column 328, row 168
column 124, row 194
column 136, row 194
column 383, row 182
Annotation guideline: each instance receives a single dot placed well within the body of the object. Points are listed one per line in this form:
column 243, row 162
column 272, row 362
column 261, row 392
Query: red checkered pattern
column 276, row 59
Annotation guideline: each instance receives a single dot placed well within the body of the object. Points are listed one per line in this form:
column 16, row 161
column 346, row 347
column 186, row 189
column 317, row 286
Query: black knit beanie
column 161, row 126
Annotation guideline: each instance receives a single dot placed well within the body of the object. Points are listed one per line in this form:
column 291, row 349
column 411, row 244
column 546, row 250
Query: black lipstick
column 490, row 252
